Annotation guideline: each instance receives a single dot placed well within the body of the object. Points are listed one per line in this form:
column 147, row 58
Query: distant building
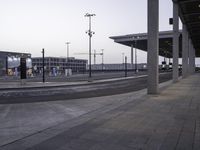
column 118, row 66
column 58, row 65
column 10, row 63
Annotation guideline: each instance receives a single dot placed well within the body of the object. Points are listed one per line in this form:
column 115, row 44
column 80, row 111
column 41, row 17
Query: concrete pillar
column 193, row 58
column 152, row 55
column 185, row 52
column 175, row 41
column 190, row 57
column 132, row 56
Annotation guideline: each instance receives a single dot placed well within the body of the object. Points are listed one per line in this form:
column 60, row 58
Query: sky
column 30, row 25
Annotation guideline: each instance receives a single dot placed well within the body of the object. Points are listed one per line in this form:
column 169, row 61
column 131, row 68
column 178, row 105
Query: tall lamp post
column 90, row 33
column 43, row 68
column 102, row 58
column 67, row 43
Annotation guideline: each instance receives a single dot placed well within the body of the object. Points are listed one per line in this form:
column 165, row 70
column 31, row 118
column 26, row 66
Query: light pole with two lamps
column 90, row 33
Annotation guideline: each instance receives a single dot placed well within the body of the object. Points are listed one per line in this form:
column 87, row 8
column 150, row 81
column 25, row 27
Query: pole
column 94, row 58
column 122, row 58
column 7, row 65
column 135, row 57
column 122, row 61
column 125, row 66
column 90, row 69
column 102, row 59
column 43, row 71
column 132, row 57
column 90, row 33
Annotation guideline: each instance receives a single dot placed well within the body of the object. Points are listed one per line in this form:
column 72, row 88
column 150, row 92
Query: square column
column 185, row 52
column 152, row 55
column 132, row 56
column 175, row 41
column 193, row 59
column 190, row 57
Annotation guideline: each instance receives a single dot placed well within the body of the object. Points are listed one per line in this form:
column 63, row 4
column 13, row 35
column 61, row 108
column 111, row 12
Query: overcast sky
column 30, row 25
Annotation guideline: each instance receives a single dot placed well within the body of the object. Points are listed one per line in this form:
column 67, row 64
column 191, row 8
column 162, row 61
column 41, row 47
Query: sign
column 23, row 68
column 171, row 21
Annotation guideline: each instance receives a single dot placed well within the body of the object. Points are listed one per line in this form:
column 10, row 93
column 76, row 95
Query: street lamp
column 90, row 33
column 67, row 43
column 43, row 67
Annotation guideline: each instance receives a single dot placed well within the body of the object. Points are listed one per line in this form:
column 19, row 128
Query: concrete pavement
column 134, row 120
column 29, row 85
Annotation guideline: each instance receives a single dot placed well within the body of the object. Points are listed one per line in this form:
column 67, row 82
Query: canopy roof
column 189, row 11
column 140, row 41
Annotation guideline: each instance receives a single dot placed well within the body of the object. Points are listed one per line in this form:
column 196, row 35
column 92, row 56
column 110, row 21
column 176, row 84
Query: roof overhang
column 189, row 12
column 139, row 41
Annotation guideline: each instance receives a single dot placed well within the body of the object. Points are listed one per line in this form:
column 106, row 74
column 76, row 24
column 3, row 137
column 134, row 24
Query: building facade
column 58, row 65
column 141, row 66
column 10, row 63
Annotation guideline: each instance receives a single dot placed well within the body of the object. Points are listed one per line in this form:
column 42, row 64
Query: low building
column 58, row 65
column 10, row 63
column 141, row 66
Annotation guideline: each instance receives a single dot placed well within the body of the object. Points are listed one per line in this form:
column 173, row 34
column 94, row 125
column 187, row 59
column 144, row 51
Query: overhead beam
column 191, row 14
column 186, row 1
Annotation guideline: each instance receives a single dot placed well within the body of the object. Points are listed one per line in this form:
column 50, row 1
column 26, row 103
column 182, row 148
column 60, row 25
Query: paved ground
column 65, row 91
column 129, row 121
column 75, row 77
column 28, row 83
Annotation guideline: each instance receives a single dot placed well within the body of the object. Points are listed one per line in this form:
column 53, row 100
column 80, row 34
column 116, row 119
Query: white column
column 152, row 55
column 132, row 56
column 175, row 41
column 185, row 52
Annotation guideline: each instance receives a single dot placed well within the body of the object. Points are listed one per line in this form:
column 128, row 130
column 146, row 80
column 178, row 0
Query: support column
column 152, row 55
column 175, row 41
column 190, row 57
column 132, row 56
column 185, row 52
column 193, row 59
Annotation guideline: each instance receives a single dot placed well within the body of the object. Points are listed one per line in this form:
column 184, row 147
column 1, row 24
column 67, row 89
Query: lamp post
column 43, row 68
column 67, row 43
column 102, row 58
column 90, row 33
